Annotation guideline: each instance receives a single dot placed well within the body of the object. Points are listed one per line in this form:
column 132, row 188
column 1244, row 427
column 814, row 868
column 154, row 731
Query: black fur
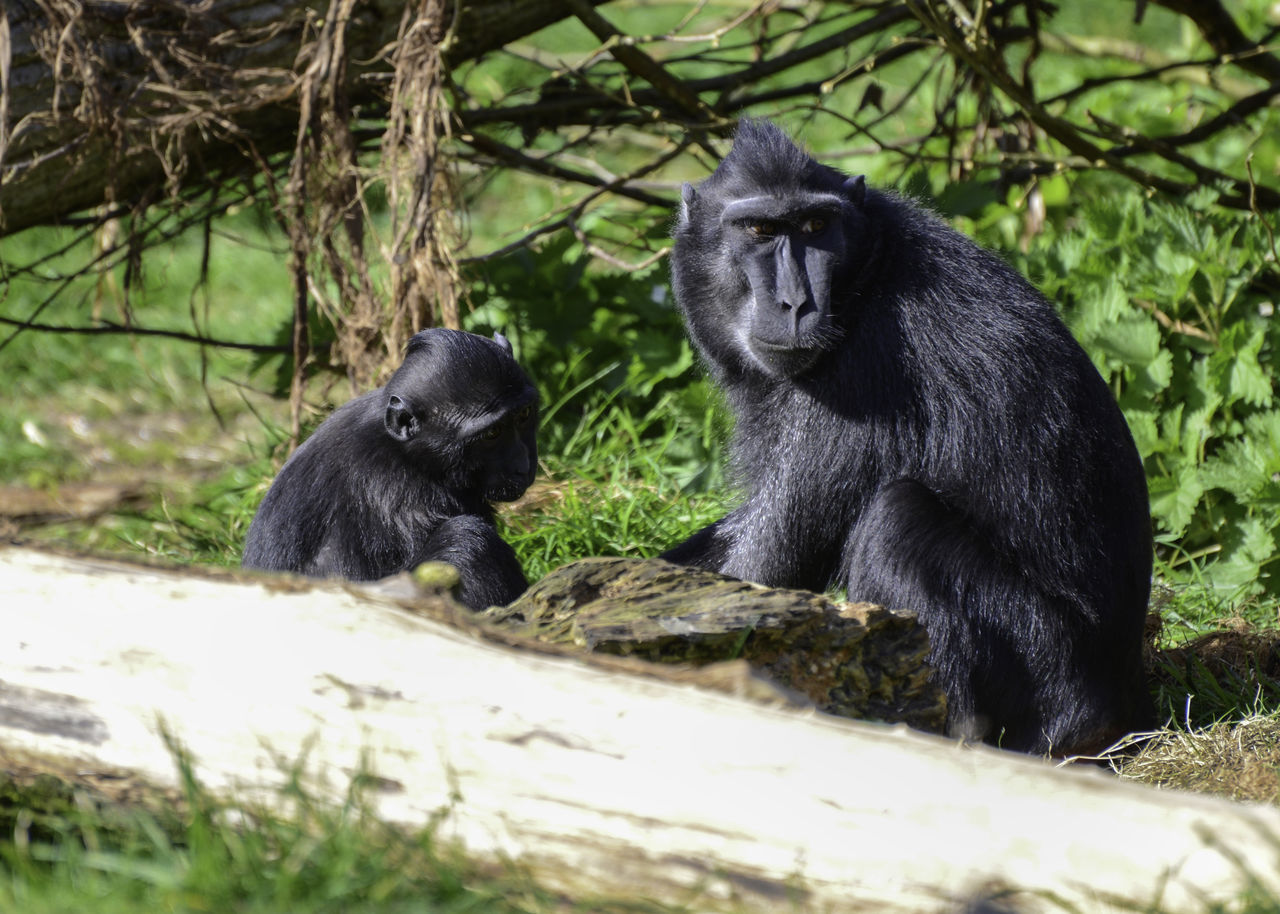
column 405, row 474
column 927, row 433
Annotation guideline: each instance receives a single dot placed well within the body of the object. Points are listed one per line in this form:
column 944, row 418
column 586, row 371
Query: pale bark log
column 599, row 780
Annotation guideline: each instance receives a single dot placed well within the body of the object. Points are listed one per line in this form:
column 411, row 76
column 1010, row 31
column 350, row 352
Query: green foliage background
column 1175, row 305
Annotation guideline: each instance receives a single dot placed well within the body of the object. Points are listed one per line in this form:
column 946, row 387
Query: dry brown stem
column 420, row 189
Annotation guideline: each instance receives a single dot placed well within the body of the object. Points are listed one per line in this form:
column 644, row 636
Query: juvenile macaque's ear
column 503, row 342
column 400, row 421
column 855, row 189
column 687, row 196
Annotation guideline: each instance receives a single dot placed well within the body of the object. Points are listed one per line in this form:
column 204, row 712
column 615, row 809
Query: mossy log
column 850, row 659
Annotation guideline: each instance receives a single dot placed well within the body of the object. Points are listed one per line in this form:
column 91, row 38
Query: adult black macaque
column 915, row 423
column 404, row 474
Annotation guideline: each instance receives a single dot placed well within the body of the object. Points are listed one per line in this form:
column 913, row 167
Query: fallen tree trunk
column 597, row 779
column 105, row 102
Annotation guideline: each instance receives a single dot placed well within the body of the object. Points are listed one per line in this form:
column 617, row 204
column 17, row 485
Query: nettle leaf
column 1237, row 283
column 1171, row 428
column 1203, row 197
column 1202, row 401
column 1236, row 367
column 1174, row 497
column 1067, row 254
column 1183, row 365
column 1155, row 376
column 1114, row 220
column 1146, row 435
column 1097, row 311
column 1249, row 544
column 1189, row 229
column 1197, row 427
column 1176, row 270
column 1248, row 466
column 1264, row 428
column 1133, row 340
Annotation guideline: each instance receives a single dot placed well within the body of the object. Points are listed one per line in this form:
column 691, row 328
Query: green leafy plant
column 608, row 351
column 66, row 845
column 1174, row 305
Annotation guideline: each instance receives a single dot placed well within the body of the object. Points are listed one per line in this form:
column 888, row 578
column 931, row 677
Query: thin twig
column 1173, row 324
column 109, row 328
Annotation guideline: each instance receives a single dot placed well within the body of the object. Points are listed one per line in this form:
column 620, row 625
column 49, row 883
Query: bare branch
column 582, row 108
column 576, row 211
column 146, row 103
column 981, row 54
column 644, row 66
column 108, row 328
column 1223, row 34
column 1171, row 324
column 596, row 251
column 513, row 157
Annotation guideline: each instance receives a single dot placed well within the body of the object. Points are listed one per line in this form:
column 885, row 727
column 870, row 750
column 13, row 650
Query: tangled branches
column 163, row 114
column 361, row 123
column 967, row 89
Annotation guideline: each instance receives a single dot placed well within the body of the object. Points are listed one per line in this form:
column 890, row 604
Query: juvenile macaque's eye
column 813, row 225
column 524, row 414
column 764, row 229
column 492, row 433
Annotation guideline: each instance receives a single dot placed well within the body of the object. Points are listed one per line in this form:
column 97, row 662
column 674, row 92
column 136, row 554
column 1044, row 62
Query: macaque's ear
column 401, row 423
column 687, row 196
column 503, row 342
column 855, row 189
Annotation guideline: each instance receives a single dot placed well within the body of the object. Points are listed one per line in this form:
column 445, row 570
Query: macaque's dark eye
column 764, row 229
column 492, row 433
column 813, row 225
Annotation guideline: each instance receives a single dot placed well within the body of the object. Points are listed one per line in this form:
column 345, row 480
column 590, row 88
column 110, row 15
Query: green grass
column 1212, row 662
column 69, row 850
column 80, row 407
column 618, row 483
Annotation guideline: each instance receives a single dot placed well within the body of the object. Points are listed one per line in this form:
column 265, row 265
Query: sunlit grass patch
column 1238, row 758
column 75, row 849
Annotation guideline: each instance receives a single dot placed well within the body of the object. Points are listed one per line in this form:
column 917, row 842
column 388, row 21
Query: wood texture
column 99, row 93
column 598, row 780
column 849, row 659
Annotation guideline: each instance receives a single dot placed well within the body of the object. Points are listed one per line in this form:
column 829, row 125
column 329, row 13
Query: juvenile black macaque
column 405, row 474
column 914, row 422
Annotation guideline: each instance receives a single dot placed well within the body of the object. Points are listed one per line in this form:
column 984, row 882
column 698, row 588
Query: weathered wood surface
column 851, row 659
column 95, row 93
column 597, row 779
